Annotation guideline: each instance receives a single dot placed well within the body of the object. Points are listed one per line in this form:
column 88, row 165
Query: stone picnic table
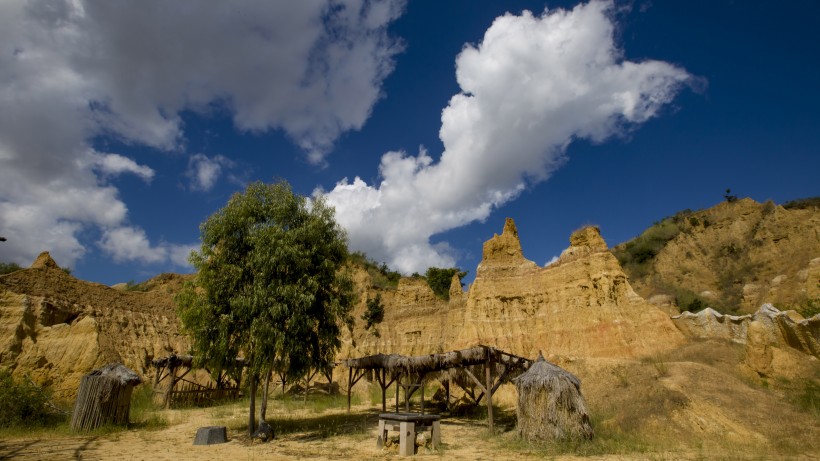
column 408, row 424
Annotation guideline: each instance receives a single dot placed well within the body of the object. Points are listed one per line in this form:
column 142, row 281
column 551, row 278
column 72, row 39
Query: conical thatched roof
column 541, row 373
column 550, row 404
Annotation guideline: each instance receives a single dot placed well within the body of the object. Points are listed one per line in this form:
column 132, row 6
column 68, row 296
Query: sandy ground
column 331, row 435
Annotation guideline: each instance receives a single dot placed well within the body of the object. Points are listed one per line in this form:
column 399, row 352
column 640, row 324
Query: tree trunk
column 263, row 407
column 252, row 412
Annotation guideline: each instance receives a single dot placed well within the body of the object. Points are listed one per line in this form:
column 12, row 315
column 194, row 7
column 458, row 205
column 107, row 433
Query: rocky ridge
column 737, row 255
column 778, row 343
column 55, row 328
column 580, row 306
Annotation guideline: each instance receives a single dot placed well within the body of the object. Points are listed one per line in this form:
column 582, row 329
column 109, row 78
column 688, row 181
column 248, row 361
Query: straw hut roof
column 550, row 404
column 434, row 362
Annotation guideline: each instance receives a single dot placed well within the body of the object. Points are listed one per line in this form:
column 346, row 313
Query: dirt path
column 331, row 435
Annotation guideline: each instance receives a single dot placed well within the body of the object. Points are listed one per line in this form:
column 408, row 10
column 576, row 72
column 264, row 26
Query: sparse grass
column 24, row 404
column 807, row 398
column 622, row 376
column 609, row 439
column 803, row 203
column 144, row 413
column 659, row 364
column 637, row 255
column 133, row 286
column 380, row 275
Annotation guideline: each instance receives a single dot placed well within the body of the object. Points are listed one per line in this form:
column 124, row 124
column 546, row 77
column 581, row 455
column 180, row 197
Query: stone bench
column 408, row 425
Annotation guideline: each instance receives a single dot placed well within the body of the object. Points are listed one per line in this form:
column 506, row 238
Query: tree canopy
column 440, row 279
column 269, row 285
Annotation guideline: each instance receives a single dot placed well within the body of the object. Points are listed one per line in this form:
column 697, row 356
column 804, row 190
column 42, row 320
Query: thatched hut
column 550, row 404
column 104, row 397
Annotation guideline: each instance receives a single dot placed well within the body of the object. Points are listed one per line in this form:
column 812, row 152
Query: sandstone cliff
column 56, row 328
column 734, row 257
column 581, row 306
column 777, row 343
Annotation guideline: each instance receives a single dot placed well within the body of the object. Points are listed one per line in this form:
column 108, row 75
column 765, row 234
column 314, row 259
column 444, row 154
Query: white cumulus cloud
column 116, row 164
column 532, row 86
column 76, row 71
column 131, row 244
column 204, row 171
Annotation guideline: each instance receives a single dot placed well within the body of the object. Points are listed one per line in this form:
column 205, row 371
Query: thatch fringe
column 550, row 404
column 430, row 363
column 104, row 397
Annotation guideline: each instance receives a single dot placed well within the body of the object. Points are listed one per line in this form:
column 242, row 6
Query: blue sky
column 123, row 125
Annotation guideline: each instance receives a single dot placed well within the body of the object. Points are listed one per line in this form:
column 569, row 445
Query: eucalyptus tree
column 270, row 286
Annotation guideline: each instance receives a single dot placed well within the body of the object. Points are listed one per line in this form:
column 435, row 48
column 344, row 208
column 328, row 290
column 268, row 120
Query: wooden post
column 384, row 389
column 406, row 398
column 398, row 385
column 489, row 389
column 172, row 373
column 349, row 386
column 251, row 415
column 447, row 394
column 422, row 396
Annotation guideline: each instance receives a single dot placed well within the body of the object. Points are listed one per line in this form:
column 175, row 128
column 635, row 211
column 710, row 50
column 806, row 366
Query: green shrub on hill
column 636, row 255
column 380, row 275
column 802, row 203
column 22, row 404
column 440, row 279
column 8, row 268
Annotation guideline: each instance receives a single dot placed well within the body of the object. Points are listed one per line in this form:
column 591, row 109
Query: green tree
column 375, row 311
column 440, row 279
column 269, row 286
column 21, row 404
column 7, row 268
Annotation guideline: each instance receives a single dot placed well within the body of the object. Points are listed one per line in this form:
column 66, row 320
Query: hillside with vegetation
column 656, row 388
column 732, row 257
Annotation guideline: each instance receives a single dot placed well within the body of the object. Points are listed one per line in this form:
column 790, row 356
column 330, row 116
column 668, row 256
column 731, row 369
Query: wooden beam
column 478, row 383
column 352, row 379
column 349, row 386
column 488, row 376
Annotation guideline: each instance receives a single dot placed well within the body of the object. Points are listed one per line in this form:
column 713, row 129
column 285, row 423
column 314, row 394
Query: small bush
column 133, row 286
column 808, row 398
column 7, row 268
column 809, row 307
column 22, row 404
column 637, row 254
column 688, row 301
column 144, row 413
column 440, row 279
column 374, row 313
column 802, row 203
column 380, row 275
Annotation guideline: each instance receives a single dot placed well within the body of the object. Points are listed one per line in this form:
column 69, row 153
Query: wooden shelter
column 178, row 390
column 550, row 404
column 104, row 397
column 463, row 367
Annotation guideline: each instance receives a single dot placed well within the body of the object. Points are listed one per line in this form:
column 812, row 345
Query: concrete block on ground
column 211, row 435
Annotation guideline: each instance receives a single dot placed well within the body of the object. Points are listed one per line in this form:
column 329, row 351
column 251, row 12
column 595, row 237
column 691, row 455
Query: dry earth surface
column 329, row 435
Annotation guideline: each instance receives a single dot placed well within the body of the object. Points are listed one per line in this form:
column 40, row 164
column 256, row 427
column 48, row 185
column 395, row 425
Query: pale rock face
column 775, row 340
column 709, row 323
column 581, row 306
column 55, row 328
column 765, row 252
